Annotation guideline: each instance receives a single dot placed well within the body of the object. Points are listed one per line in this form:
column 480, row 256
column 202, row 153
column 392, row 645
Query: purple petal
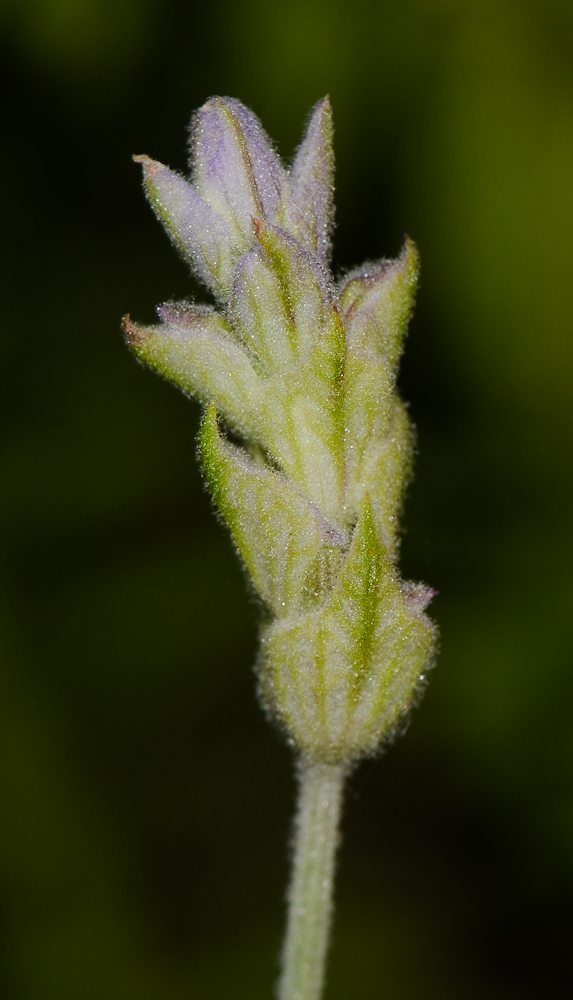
column 309, row 210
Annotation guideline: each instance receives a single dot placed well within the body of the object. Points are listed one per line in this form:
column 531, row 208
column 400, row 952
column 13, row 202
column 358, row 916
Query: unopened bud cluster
column 304, row 373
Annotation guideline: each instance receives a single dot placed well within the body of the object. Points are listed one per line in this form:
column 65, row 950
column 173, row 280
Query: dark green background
column 144, row 800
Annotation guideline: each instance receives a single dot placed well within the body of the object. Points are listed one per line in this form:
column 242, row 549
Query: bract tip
column 133, row 334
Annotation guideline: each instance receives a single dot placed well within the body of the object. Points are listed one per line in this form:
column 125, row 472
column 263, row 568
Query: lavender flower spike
column 305, row 373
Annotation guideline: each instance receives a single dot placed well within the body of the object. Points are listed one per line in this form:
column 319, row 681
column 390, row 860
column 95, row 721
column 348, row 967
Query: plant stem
column 310, row 893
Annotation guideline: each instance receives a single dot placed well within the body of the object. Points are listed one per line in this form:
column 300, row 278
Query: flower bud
column 203, row 236
column 341, row 676
column 305, row 374
column 193, row 348
column 309, row 207
column 235, row 169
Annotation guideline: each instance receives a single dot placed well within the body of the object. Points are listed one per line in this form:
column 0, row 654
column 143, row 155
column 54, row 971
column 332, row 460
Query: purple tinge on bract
column 235, row 168
column 309, row 209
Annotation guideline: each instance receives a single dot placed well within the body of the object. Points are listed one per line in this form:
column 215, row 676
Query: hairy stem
column 310, row 893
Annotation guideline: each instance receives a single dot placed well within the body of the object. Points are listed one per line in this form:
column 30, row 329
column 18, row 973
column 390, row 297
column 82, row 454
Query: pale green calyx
column 304, row 372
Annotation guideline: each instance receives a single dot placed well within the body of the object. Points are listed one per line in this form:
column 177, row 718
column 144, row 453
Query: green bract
column 305, row 373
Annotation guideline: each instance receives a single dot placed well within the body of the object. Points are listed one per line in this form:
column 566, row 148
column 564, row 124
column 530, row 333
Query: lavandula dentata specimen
column 303, row 372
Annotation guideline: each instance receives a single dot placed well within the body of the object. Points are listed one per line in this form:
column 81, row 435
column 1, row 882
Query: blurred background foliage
column 145, row 803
